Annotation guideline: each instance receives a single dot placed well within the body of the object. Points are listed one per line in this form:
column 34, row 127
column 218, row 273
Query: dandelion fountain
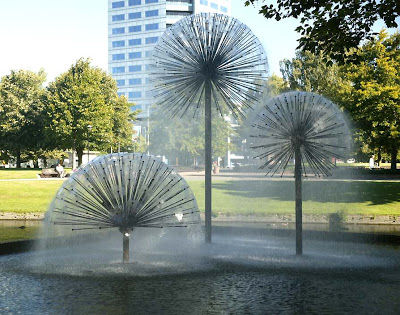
column 207, row 59
column 124, row 191
column 305, row 127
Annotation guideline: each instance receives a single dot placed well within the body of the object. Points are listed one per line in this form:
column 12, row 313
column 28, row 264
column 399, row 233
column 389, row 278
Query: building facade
column 134, row 27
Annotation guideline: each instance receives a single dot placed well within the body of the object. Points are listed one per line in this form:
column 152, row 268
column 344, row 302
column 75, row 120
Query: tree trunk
column 299, row 201
column 74, row 166
column 393, row 161
column 379, row 156
column 36, row 162
column 208, row 160
column 18, row 154
column 79, row 151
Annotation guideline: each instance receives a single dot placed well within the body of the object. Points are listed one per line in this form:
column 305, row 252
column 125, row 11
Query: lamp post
column 89, row 128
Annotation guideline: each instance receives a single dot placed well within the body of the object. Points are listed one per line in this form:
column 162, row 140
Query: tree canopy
column 367, row 90
column 21, row 126
column 309, row 72
column 373, row 97
column 81, row 97
column 333, row 26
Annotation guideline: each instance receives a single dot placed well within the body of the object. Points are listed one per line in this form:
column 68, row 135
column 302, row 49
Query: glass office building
column 134, row 27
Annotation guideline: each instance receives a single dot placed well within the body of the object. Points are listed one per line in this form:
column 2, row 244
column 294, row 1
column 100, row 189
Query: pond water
column 244, row 273
column 26, row 229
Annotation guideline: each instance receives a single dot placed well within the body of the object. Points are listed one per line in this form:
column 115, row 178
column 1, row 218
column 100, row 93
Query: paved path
column 222, row 176
column 199, row 176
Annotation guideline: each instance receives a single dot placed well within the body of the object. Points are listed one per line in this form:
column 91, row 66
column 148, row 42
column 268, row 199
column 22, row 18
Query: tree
column 122, row 124
column 21, row 108
column 311, row 73
column 276, row 85
column 373, row 97
column 333, row 26
column 83, row 96
column 183, row 139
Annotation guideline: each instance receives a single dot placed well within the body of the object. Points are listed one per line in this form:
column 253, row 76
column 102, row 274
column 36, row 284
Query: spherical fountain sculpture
column 305, row 127
column 204, row 59
column 124, row 191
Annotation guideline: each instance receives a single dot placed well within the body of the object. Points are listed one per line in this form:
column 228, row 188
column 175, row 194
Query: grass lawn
column 27, row 196
column 24, row 173
column 255, row 197
column 248, row 197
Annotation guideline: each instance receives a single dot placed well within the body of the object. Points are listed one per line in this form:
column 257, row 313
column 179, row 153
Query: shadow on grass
column 376, row 193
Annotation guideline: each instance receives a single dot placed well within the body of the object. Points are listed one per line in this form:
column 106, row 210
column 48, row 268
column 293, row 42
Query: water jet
column 124, row 191
column 305, row 127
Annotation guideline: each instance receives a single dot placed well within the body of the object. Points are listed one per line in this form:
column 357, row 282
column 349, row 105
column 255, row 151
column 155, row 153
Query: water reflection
column 236, row 274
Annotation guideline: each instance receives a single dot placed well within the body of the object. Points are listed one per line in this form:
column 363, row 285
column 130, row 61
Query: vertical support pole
column 148, row 130
column 125, row 247
column 208, row 160
column 299, row 201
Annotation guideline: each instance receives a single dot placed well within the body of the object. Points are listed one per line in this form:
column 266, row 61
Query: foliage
column 373, row 97
column 83, row 96
column 337, row 220
column 139, row 144
column 309, row 72
column 333, row 26
column 183, row 138
column 276, row 85
column 20, row 112
column 122, row 133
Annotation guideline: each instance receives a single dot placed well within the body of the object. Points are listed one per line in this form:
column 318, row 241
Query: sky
column 53, row 34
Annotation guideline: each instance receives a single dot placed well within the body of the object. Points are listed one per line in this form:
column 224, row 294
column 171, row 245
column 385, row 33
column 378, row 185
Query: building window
column 151, row 40
column 121, row 94
column 135, row 28
column 214, row 5
column 118, row 30
column 118, row 17
column 135, row 2
column 135, row 81
column 135, row 42
column 147, row 67
column 148, row 53
column 118, row 70
column 151, row 1
column 136, row 94
column 120, row 82
column 135, row 15
column 118, row 43
column 118, row 57
column 152, row 27
column 136, row 68
column 224, row 9
column 135, row 55
column 151, row 13
column 204, row 2
column 178, row 13
column 118, row 4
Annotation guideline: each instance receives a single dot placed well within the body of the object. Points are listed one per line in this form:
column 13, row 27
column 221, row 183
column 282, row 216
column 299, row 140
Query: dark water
column 10, row 230
column 236, row 274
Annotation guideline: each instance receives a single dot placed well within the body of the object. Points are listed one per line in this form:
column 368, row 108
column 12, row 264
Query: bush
column 337, row 220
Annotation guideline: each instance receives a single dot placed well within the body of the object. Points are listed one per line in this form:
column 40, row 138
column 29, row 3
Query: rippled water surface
column 236, row 274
